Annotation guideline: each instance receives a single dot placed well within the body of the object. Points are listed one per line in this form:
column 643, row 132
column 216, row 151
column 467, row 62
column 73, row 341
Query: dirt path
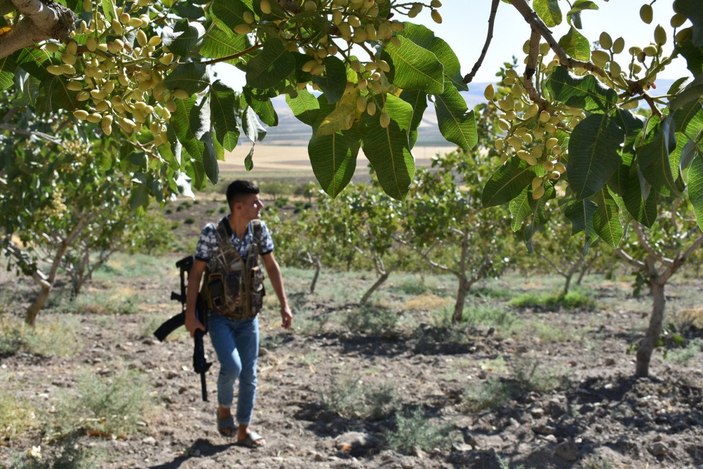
column 600, row 418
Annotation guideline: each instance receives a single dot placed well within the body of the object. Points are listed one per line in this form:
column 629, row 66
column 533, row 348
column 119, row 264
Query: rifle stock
column 200, row 363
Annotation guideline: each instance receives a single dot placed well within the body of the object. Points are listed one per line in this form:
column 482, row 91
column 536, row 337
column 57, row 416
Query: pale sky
column 465, row 23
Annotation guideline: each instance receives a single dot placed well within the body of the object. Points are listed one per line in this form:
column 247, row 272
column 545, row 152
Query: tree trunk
column 381, row 279
column 461, row 294
column 567, row 284
column 318, row 266
column 39, row 21
column 30, row 316
column 656, row 319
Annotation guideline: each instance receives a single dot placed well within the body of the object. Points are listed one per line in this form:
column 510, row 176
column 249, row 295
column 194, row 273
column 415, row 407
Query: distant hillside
column 290, row 131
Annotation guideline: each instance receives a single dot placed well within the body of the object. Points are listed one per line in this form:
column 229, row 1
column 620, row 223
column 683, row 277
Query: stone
column 567, row 451
column 658, row 449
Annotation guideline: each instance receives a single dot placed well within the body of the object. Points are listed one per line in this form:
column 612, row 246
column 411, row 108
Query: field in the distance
column 292, row 161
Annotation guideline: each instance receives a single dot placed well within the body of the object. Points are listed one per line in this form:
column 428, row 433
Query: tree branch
column 639, row 265
column 489, row 36
column 40, row 21
column 538, row 25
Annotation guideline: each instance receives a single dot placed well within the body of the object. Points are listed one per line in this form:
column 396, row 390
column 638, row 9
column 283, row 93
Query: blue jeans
column 236, row 343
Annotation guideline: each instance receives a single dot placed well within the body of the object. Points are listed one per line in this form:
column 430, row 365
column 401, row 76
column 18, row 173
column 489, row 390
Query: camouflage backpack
column 234, row 287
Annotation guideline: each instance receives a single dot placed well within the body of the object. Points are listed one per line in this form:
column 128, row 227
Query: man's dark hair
column 239, row 189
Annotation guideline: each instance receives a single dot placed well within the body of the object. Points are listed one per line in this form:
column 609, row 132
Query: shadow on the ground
column 201, row 448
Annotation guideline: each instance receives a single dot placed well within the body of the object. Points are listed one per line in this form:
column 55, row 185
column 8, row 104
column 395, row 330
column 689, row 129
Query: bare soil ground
column 597, row 417
column 535, row 389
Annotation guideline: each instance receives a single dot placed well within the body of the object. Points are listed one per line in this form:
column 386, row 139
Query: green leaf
column 580, row 214
column 640, row 200
column 139, row 196
column 506, row 183
column 54, row 95
column 180, row 119
column 520, row 208
column 585, row 93
column 218, row 44
column 108, row 7
column 305, row 107
column 581, row 5
column 695, row 187
column 593, row 154
column 188, row 36
column 342, row 117
column 191, row 77
column 606, row 221
column 223, row 106
column 654, row 157
column 389, row 153
column 418, row 103
column 415, row 68
column 425, row 38
column 576, row 45
column 689, row 119
column 7, row 73
column 271, row 66
column 228, row 13
column 263, row 107
column 548, row 11
column 249, row 159
column 251, row 125
column 399, row 111
column 333, row 159
column 334, row 80
column 212, row 168
column 456, row 123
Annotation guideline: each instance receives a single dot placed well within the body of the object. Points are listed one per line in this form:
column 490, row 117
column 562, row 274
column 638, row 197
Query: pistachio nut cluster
column 352, row 27
column 530, row 132
column 115, row 65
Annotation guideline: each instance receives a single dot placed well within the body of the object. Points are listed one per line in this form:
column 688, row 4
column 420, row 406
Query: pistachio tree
column 64, row 204
column 443, row 220
column 657, row 253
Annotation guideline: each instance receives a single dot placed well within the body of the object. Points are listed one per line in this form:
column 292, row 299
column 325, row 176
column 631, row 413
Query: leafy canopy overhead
column 577, row 122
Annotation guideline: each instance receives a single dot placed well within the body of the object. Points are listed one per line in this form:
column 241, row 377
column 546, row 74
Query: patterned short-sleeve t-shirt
column 207, row 243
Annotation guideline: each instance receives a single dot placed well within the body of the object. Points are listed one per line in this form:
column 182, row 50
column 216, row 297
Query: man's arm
column 274, row 273
column 194, row 277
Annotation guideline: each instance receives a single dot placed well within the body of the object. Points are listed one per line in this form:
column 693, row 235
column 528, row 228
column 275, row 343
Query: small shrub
column 530, row 377
column 546, row 333
column 412, row 286
column 525, row 376
column 489, row 315
column 415, row 430
column 372, row 320
column 684, row 355
column 105, row 406
column 11, row 339
column 100, row 302
column 69, row 455
column 352, row 398
column 55, row 337
column 17, row 416
column 493, row 393
column 552, row 301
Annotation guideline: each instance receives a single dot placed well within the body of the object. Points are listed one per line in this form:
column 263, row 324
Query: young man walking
column 227, row 258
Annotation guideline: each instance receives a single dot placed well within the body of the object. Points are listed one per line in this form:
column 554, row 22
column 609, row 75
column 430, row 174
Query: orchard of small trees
column 109, row 105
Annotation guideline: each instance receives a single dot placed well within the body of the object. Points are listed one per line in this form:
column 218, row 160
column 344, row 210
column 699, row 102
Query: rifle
column 200, row 364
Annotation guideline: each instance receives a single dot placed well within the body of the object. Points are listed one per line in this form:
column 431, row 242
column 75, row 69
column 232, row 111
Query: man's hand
column 286, row 317
column 193, row 324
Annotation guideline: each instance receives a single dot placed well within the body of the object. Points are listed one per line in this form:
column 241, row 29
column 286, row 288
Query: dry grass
column 426, row 302
column 293, row 161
